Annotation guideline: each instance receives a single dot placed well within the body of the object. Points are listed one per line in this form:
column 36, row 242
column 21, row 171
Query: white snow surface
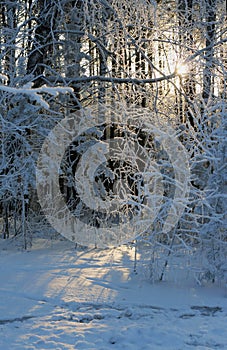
column 58, row 297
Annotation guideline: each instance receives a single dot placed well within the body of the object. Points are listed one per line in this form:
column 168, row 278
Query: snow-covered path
column 59, row 298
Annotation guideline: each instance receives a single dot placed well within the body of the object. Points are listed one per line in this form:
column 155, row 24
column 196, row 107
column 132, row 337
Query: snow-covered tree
column 165, row 57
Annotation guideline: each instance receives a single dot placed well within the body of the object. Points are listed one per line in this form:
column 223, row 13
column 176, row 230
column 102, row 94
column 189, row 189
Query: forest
column 113, row 121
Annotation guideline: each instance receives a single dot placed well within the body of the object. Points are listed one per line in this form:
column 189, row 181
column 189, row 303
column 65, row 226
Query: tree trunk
column 209, row 53
column 186, row 40
column 41, row 45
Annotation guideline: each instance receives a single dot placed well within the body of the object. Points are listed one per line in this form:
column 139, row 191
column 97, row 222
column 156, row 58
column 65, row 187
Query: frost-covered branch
column 109, row 79
column 36, row 92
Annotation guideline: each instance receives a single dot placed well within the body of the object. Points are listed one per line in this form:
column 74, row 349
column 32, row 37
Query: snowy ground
column 56, row 297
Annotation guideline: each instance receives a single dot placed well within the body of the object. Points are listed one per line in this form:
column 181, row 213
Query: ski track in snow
column 60, row 298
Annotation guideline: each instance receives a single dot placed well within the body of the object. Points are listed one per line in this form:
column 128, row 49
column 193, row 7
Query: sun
column 182, row 69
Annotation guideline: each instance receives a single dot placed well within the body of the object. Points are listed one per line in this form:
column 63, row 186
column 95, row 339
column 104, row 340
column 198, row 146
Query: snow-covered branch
column 36, row 93
column 109, row 79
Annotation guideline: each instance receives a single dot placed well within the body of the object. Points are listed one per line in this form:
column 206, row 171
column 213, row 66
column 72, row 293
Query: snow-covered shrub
column 199, row 240
column 24, row 123
column 211, row 206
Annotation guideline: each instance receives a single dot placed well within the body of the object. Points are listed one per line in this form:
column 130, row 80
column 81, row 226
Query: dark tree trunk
column 41, row 45
column 209, row 53
column 186, row 39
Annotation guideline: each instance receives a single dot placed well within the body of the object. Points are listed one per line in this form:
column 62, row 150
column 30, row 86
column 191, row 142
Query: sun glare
column 182, row 69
